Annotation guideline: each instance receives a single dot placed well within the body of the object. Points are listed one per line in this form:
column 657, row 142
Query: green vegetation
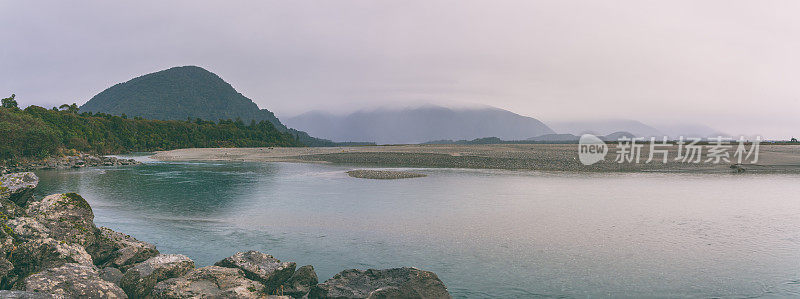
column 9, row 102
column 36, row 132
column 185, row 92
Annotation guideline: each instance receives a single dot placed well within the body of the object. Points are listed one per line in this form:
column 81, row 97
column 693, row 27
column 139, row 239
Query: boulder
column 27, row 295
column 210, row 282
column 71, row 281
column 390, row 283
column 264, row 268
column 386, row 293
column 111, row 274
column 67, row 217
column 27, row 228
column 5, row 269
column 18, row 187
column 301, row 282
column 118, row 250
column 37, row 255
column 138, row 281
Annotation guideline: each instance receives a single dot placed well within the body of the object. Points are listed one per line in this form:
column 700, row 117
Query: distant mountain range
column 420, row 124
column 185, row 92
column 546, row 138
column 574, row 138
column 192, row 92
column 637, row 128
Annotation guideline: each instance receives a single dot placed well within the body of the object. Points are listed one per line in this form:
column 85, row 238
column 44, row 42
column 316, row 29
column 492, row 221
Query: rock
column 210, row 282
column 28, row 228
column 27, row 295
column 77, row 161
column 386, row 293
column 138, row 282
column 383, row 174
column 67, row 217
column 301, row 282
column 72, row 281
column 111, row 274
column 389, row 283
column 260, row 267
column 118, row 250
column 18, row 187
column 37, row 255
column 5, row 269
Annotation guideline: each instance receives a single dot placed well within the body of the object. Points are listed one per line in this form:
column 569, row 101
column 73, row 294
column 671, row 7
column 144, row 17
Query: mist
column 729, row 65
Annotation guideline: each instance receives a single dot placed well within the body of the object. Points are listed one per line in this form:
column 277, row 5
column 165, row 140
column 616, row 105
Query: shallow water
column 485, row 233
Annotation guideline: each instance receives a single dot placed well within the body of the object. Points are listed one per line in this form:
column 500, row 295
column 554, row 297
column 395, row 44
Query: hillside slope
column 184, row 92
column 421, row 124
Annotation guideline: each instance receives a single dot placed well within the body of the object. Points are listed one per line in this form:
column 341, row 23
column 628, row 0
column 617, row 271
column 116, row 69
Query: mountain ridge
column 185, row 92
column 420, row 124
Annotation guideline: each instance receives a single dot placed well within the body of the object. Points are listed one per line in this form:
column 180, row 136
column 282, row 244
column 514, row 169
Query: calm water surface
column 485, row 233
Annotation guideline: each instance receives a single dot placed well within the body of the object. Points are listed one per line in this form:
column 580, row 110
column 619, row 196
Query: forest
column 37, row 132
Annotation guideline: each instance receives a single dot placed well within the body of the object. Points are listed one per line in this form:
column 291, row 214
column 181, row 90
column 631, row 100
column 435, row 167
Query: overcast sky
column 732, row 65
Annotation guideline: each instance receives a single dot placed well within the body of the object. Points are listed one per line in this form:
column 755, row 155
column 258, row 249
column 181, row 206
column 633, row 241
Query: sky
column 731, row 65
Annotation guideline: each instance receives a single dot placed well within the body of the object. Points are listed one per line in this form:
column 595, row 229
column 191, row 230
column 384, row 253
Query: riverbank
column 543, row 157
column 65, row 162
column 51, row 248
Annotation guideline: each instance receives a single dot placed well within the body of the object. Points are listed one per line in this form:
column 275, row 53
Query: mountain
column 605, row 127
column 574, row 138
column 690, row 130
column 555, row 138
column 420, row 124
column 184, row 92
column 637, row 128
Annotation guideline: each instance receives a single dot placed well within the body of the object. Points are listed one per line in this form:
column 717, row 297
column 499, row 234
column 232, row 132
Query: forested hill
column 185, row 92
column 37, row 132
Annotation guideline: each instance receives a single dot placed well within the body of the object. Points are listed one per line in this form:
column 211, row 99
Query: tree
column 10, row 102
column 69, row 108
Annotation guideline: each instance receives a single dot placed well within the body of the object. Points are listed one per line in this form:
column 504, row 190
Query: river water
column 486, row 233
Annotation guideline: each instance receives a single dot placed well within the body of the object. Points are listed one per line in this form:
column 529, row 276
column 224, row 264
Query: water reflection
column 485, row 233
column 193, row 191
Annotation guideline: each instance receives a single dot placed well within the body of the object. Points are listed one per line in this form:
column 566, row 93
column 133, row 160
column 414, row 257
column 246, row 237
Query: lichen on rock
column 138, row 282
column 72, row 281
column 260, row 267
column 210, row 282
column 115, row 249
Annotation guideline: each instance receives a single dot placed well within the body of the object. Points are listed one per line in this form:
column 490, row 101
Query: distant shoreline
column 543, row 157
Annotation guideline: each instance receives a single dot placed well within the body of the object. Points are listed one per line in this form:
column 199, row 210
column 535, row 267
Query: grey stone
column 37, row 255
column 138, row 282
column 5, row 269
column 27, row 295
column 210, row 282
column 390, row 283
column 66, row 217
column 18, row 187
column 28, row 228
column 386, row 293
column 118, row 250
column 111, row 274
column 260, row 267
column 301, row 282
column 72, row 281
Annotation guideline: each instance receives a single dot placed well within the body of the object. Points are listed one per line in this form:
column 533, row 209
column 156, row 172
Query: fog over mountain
column 419, row 124
column 728, row 64
column 635, row 127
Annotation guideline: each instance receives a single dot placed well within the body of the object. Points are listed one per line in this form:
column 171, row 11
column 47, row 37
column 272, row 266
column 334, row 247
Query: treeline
column 36, row 132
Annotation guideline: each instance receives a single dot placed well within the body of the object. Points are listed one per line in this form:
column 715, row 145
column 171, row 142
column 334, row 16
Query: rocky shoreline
column 65, row 162
column 773, row 158
column 51, row 248
column 383, row 174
